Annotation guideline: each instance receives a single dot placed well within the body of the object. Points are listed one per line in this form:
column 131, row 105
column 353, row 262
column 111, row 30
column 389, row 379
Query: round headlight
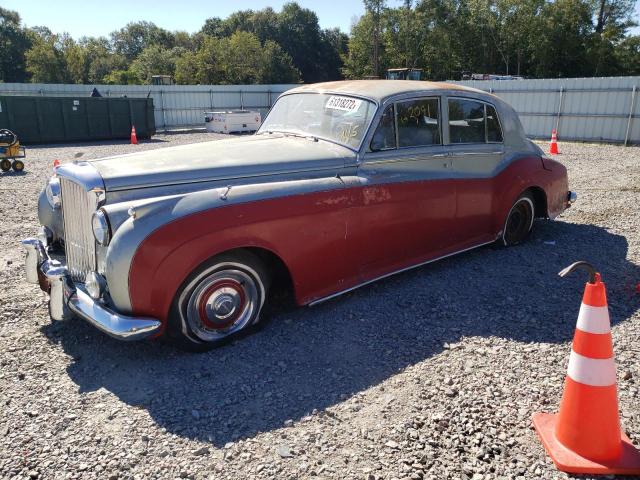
column 101, row 228
column 95, row 285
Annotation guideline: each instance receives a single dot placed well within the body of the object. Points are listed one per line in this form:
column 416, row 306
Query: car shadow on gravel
column 309, row 359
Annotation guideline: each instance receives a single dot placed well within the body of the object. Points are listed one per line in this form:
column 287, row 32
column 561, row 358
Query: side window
column 494, row 133
column 384, row 137
column 419, row 123
column 466, row 121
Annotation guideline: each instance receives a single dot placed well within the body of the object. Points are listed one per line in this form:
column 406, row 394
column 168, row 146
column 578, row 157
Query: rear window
column 473, row 122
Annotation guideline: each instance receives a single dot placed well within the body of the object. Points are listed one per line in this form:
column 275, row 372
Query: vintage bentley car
column 344, row 183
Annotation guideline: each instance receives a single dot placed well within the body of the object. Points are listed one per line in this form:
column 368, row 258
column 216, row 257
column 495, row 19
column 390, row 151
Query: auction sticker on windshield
column 345, row 104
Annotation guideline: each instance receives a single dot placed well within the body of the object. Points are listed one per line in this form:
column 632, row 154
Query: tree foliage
column 446, row 38
column 14, row 43
column 536, row 38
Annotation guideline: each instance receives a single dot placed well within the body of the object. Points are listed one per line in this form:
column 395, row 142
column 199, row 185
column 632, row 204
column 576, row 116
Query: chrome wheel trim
column 222, row 301
column 506, row 222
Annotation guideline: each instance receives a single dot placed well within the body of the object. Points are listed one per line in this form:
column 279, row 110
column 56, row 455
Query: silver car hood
column 242, row 157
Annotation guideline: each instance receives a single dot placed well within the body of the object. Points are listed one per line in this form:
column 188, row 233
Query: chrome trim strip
column 412, row 158
column 224, row 179
column 468, row 154
column 342, row 292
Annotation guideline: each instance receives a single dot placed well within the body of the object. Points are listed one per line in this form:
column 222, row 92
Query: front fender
column 50, row 217
column 163, row 242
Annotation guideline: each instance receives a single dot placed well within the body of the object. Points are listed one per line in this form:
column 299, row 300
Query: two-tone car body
column 344, row 183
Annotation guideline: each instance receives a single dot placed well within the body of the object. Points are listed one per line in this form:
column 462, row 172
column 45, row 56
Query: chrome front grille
column 80, row 247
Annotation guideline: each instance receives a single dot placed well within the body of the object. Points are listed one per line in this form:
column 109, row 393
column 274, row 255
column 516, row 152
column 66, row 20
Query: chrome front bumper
column 67, row 299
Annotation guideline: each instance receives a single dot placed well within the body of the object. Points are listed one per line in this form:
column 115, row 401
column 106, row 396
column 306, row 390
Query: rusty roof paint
column 380, row 90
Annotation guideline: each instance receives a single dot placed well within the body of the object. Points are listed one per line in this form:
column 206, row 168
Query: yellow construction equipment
column 11, row 152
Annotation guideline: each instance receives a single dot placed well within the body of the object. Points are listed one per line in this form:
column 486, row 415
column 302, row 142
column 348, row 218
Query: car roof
column 380, row 90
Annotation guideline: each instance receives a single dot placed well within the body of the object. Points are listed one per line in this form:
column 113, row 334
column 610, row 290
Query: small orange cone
column 585, row 435
column 553, row 147
column 134, row 138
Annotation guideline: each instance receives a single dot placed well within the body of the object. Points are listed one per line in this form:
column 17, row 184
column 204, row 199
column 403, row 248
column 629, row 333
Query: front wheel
column 519, row 221
column 5, row 165
column 218, row 301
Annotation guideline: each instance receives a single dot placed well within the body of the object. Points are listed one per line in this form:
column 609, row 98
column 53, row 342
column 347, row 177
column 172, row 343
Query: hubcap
column 222, row 303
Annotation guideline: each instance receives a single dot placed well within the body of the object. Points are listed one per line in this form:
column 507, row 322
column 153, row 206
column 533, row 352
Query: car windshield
column 337, row 118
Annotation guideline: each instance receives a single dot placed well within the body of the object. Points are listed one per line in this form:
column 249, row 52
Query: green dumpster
column 40, row 119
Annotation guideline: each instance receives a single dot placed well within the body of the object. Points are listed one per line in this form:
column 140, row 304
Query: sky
column 92, row 18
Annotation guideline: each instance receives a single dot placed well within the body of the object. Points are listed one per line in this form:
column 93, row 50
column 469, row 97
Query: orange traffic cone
column 553, row 147
column 134, row 138
column 585, row 435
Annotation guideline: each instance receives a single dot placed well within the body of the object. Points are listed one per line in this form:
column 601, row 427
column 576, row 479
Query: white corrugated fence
column 603, row 109
column 585, row 109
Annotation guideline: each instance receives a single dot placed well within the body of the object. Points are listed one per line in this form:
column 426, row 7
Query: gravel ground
column 432, row 373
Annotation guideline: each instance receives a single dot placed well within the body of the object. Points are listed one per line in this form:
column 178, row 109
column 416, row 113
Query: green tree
column 358, row 61
column 628, row 55
column 14, row 43
column 45, row 59
column 564, row 41
column 156, row 60
column 100, row 61
column 188, row 69
column 238, row 59
column 131, row 40
column 375, row 9
column 277, row 65
column 121, row 77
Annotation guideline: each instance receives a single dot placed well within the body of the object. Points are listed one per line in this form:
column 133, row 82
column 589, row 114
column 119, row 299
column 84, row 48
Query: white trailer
column 232, row 121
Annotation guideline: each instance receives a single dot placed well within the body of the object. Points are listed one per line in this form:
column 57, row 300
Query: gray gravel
column 433, row 373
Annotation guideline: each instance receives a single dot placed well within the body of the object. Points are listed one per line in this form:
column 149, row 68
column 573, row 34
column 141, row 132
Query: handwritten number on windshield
column 348, row 131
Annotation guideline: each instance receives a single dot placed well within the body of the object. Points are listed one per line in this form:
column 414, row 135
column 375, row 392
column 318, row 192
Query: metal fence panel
column 585, row 109
column 175, row 105
column 603, row 109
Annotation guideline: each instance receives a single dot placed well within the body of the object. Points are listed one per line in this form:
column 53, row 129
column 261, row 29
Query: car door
column 408, row 202
column 476, row 152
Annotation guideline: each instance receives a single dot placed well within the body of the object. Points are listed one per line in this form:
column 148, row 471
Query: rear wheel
column 218, row 301
column 519, row 221
column 5, row 165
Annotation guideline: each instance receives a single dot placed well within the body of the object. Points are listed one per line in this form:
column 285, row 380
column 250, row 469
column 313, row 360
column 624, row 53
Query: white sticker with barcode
column 346, row 104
